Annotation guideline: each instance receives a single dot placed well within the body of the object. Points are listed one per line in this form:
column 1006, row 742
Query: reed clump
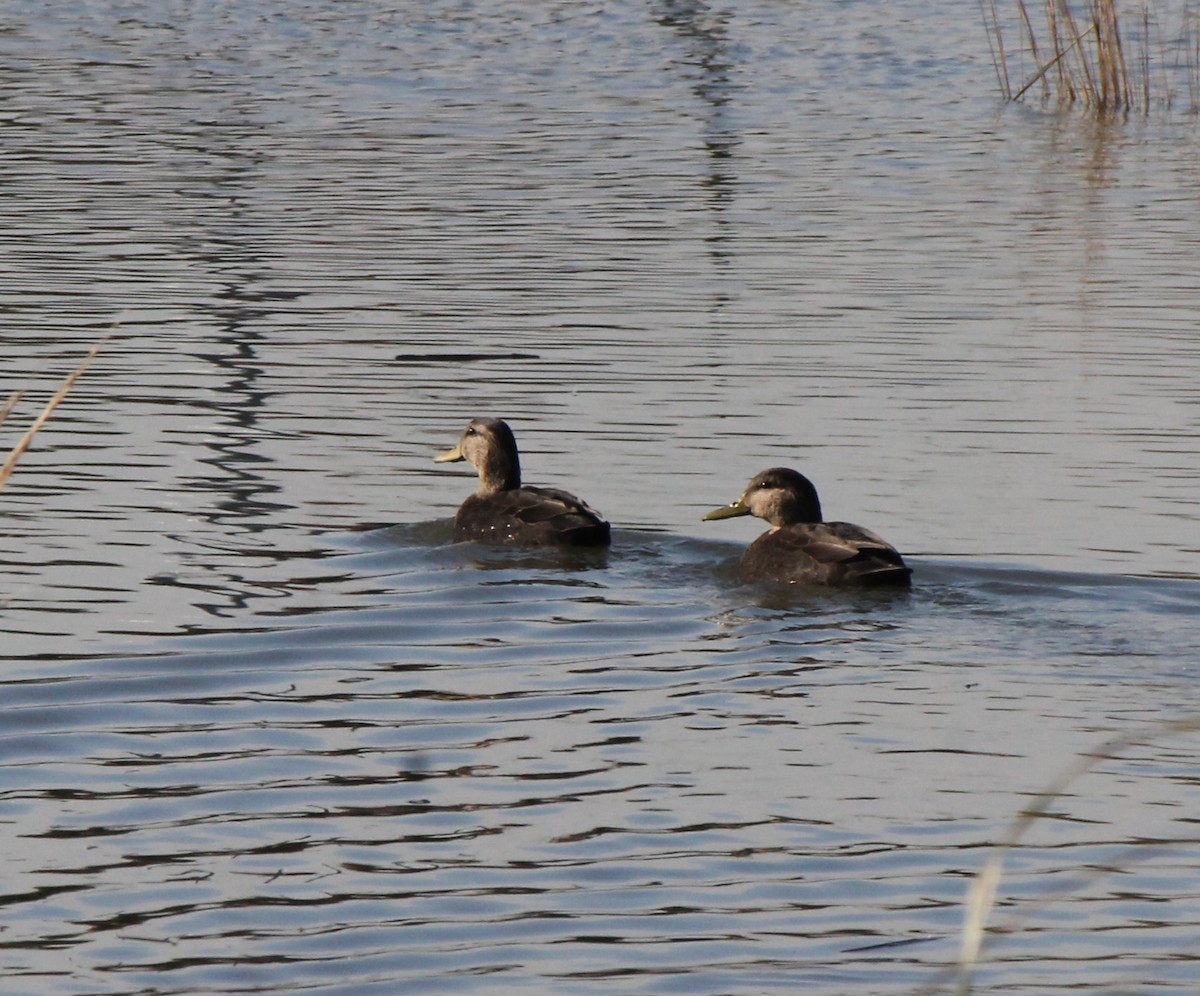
column 24, row 442
column 1087, row 53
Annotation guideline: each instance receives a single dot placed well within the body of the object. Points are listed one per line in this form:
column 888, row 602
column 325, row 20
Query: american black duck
column 505, row 511
column 800, row 548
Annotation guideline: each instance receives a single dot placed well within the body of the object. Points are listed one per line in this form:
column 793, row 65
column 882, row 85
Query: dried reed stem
column 982, row 893
column 996, row 46
column 1030, row 37
column 24, row 442
column 9, row 405
column 1087, row 90
column 1110, row 56
column 1145, row 59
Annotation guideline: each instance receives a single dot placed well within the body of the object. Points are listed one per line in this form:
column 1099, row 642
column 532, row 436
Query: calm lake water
column 268, row 730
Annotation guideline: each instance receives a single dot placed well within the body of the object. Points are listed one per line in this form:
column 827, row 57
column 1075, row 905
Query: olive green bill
column 734, row 508
column 451, row 455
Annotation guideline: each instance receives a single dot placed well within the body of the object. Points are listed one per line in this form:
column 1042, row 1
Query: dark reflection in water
column 239, row 401
column 710, row 58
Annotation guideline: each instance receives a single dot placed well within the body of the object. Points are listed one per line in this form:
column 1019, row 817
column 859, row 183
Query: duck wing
column 531, row 516
column 824, row 553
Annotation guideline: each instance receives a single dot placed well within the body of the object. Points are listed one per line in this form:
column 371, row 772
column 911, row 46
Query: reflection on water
column 266, row 727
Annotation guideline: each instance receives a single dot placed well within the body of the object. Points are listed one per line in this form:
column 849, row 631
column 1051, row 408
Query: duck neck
column 802, row 507
column 499, row 472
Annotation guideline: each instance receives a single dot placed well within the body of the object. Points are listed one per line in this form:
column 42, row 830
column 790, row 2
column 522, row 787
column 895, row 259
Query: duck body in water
column 503, row 510
column 800, row 548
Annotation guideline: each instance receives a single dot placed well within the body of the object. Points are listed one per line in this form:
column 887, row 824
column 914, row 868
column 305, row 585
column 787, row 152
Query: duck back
column 530, row 516
column 824, row 553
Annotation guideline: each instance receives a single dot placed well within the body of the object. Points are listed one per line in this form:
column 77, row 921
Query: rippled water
column 437, row 764
column 268, row 730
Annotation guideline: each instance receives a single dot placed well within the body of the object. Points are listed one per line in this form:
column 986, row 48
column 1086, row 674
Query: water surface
column 269, row 730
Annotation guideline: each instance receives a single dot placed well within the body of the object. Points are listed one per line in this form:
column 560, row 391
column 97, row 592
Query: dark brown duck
column 505, row 511
column 802, row 549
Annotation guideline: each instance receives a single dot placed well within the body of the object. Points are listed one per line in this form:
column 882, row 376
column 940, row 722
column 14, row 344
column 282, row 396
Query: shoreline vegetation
column 26, row 440
column 1086, row 53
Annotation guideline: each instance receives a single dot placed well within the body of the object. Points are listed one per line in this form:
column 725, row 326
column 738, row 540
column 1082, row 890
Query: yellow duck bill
column 733, row 509
column 452, row 455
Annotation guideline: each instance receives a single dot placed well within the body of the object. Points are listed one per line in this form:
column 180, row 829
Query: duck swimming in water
column 801, row 549
column 504, row 511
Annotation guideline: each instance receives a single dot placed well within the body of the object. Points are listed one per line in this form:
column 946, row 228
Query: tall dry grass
column 976, row 936
column 1088, row 53
column 24, row 442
